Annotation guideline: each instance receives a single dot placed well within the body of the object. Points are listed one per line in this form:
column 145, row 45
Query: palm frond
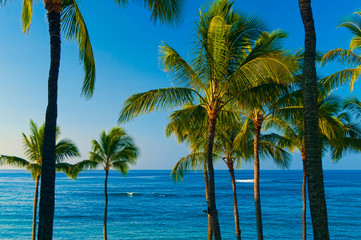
column 83, row 165
column 182, row 73
column 66, row 148
column 27, row 14
column 13, row 161
column 73, row 27
column 153, row 100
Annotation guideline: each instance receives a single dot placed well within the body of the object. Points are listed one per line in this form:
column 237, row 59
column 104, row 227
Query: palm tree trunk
column 304, row 179
column 211, row 187
column 257, row 200
column 316, row 192
column 205, row 173
column 35, row 206
column 105, row 205
column 47, row 189
column 236, row 215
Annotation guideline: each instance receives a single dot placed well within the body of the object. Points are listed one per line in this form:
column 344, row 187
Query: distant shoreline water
column 148, row 205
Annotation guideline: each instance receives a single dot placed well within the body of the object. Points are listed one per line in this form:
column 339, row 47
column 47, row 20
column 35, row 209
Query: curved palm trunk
column 33, row 235
column 47, row 189
column 304, row 179
column 212, row 209
column 316, row 192
column 205, row 173
column 105, row 205
column 257, row 200
column 236, row 215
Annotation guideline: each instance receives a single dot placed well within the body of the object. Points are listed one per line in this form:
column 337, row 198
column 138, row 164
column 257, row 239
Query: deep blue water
column 148, row 205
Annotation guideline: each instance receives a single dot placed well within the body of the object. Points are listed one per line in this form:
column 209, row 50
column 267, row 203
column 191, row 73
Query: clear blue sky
column 125, row 45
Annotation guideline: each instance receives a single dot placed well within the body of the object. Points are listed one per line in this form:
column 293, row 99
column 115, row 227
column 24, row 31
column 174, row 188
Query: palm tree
column 190, row 124
column 222, row 68
column 231, row 145
column 346, row 56
column 337, row 134
column 258, row 106
column 316, row 191
column 66, row 15
column 33, row 146
column 115, row 149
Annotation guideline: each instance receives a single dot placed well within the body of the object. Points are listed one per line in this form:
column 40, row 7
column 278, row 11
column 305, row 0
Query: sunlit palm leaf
column 73, row 26
column 160, row 99
column 27, row 14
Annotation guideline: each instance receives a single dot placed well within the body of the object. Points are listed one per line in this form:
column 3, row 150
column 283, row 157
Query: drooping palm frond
column 159, row 99
column 13, row 161
column 66, row 148
column 27, row 14
column 270, row 148
column 192, row 161
column 353, row 105
column 83, row 165
column 73, row 27
column 66, row 168
column 122, row 166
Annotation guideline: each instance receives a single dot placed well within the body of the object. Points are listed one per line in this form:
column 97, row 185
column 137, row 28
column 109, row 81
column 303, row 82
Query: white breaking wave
column 245, row 180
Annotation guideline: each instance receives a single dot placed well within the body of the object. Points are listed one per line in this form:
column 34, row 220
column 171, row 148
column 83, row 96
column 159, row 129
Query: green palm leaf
column 73, row 26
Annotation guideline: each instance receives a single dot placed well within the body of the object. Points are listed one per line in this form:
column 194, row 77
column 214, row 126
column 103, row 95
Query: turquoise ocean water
column 148, row 205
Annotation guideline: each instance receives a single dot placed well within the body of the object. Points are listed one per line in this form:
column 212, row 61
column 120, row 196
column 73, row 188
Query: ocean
column 146, row 204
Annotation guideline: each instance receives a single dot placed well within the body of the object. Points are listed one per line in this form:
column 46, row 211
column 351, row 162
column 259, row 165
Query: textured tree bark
column 205, row 173
column 47, row 188
column 211, row 187
column 105, row 205
column 316, row 193
column 304, row 204
column 257, row 200
column 236, row 215
column 35, row 207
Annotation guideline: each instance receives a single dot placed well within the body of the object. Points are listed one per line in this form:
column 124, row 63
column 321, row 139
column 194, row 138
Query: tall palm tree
column 222, row 68
column 66, row 15
column 33, row 146
column 258, row 105
column 190, row 124
column 346, row 56
column 316, row 190
column 114, row 149
column 338, row 134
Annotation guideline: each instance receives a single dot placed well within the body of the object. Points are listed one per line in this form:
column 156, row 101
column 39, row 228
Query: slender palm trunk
column 205, row 173
column 257, row 199
column 105, row 205
column 211, row 187
column 47, row 189
column 316, row 194
column 304, row 181
column 236, row 215
column 35, row 207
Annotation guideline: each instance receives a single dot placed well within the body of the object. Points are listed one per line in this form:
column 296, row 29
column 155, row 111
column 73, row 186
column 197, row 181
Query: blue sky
column 125, row 45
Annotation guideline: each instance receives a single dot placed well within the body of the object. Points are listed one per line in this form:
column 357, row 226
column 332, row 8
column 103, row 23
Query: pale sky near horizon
column 125, row 45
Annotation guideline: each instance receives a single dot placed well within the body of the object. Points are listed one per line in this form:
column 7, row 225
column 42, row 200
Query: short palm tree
column 222, row 68
column 114, row 149
column 66, row 15
column 33, row 146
